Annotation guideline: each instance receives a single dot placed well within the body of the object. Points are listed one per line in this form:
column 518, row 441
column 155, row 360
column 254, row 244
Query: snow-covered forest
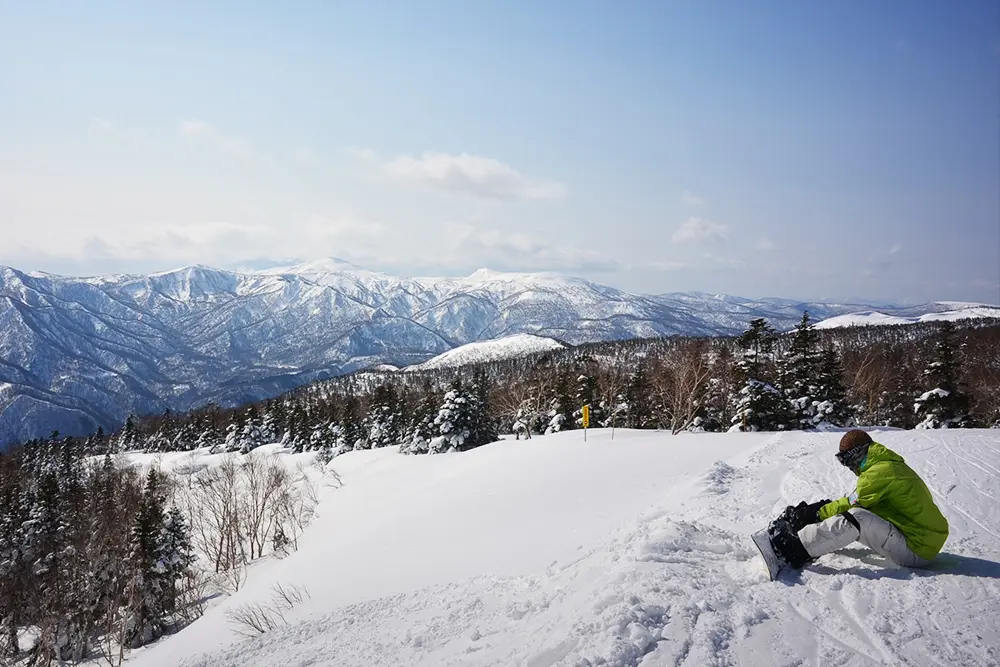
column 916, row 376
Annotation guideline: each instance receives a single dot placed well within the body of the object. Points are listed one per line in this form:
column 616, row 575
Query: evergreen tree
column 349, row 435
column 760, row 406
column 250, row 438
column 147, row 585
column 128, row 438
column 422, row 427
column 175, row 557
column 384, row 423
column 716, row 411
column 463, row 419
column 638, row 410
column 208, row 435
column 797, row 373
column 452, row 421
column 297, row 430
column 586, row 394
column 943, row 404
column 560, row 414
column 830, row 404
column 484, row 427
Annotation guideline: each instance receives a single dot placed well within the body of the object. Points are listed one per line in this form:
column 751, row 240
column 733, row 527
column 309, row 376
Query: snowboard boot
column 786, row 543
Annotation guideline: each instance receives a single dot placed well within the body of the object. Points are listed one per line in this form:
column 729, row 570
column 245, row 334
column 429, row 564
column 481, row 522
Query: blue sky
column 804, row 150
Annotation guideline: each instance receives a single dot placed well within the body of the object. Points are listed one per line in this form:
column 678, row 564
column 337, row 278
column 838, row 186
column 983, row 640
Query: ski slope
column 509, row 347
column 960, row 311
column 633, row 551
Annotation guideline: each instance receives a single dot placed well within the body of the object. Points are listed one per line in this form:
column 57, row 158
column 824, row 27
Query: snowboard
column 763, row 542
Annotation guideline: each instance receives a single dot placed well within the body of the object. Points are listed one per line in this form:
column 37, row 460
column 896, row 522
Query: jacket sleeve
column 834, row 508
column 871, row 490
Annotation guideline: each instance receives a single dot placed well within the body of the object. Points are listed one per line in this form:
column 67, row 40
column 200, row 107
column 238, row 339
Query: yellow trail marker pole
column 586, row 421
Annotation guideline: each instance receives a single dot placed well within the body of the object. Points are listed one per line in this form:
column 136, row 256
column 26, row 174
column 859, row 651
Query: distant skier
column 891, row 512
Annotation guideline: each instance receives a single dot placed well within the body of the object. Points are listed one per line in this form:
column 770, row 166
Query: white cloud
column 324, row 227
column 896, row 247
column 505, row 251
column 306, row 156
column 697, row 229
column 101, row 124
column 235, row 146
column 664, row 265
column 206, row 233
column 690, row 199
column 724, row 262
column 764, row 245
column 464, row 174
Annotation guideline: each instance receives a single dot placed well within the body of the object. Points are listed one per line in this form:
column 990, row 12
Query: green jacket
column 889, row 488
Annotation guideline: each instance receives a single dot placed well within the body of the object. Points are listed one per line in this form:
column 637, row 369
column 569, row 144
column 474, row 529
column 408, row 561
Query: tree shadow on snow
column 882, row 568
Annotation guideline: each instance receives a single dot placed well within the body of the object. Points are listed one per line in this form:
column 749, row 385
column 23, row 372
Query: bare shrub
column 251, row 620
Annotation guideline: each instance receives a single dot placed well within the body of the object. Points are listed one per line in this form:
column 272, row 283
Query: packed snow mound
column 509, row 347
column 623, row 552
column 958, row 311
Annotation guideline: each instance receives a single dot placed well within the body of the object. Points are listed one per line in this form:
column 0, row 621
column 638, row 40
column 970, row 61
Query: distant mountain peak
column 77, row 353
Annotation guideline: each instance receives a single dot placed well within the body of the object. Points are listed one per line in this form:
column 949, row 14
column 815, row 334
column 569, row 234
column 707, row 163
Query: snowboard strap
column 852, row 520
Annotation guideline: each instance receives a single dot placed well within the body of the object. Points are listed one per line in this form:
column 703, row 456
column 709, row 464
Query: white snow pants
column 838, row 531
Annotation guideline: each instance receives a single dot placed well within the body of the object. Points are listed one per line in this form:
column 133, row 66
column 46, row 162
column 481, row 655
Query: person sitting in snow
column 891, row 512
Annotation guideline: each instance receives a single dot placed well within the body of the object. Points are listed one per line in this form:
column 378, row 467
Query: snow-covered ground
column 632, row 551
column 959, row 311
column 508, row 347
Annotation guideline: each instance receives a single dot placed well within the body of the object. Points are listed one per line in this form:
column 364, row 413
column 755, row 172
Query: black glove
column 803, row 514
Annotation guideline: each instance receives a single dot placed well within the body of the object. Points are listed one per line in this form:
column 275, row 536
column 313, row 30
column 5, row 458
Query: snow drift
column 632, row 551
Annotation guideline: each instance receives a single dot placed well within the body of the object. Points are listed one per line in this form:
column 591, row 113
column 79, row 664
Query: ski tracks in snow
column 683, row 586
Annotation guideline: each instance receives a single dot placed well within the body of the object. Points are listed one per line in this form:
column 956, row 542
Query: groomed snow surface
column 960, row 311
column 509, row 347
column 635, row 551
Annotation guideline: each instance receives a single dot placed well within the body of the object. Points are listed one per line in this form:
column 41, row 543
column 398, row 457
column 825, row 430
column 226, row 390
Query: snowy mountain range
column 77, row 353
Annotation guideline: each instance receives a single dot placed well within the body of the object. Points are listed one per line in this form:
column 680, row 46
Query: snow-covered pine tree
column 270, row 430
column 453, row 421
column 383, row 425
column 350, row 434
column 830, row 398
column 943, row 404
column 297, row 429
column 128, row 437
column 251, row 437
column 716, row 412
column 175, row 557
column 586, row 394
column 13, row 567
column 639, row 411
column 233, row 441
column 146, row 585
column 484, row 427
column 322, row 438
column 185, row 439
column 760, row 406
column 208, row 435
column 422, row 428
column 797, row 375
column 463, row 420
column 560, row 414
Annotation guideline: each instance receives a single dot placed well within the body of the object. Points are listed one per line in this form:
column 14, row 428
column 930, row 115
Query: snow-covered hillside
column 78, row 353
column 625, row 552
column 509, row 347
column 954, row 311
